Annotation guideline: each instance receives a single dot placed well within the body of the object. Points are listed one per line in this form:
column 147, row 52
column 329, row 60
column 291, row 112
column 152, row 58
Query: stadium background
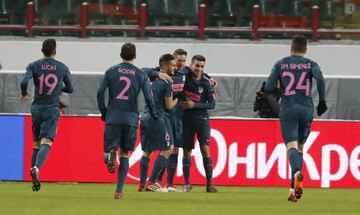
column 248, row 152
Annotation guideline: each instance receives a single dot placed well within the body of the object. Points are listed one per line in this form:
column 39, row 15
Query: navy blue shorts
column 295, row 125
column 123, row 136
column 156, row 134
column 44, row 122
column 198, row 126
column 177, row 129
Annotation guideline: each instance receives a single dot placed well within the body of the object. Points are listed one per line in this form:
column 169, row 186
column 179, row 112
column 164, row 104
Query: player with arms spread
column 295, row 74
column 49, row 75
column 125, row 81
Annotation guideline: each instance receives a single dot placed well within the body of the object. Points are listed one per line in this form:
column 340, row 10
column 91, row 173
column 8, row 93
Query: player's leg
column 203, row 135
column 188, row 146
column 176, row 124
column 35, row 152
column 171, row 169
column 111, row 138
column 159, row 164
column 127, row 136
column 144, row 167
column 289, row 129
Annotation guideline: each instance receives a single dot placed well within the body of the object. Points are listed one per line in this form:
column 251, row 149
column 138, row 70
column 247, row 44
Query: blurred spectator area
column 276, row 13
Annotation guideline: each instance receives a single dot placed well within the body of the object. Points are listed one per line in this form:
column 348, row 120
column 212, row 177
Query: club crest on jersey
column 183, row 77
column 200, row 89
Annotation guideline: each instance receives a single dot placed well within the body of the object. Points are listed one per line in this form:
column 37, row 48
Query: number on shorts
column 45, row 79
column 299, row 86
column 122, row 95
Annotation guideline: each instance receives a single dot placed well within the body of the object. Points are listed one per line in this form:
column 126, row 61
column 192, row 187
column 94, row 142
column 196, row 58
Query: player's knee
column 46, row 140
column 166, row 154
column 205, row 150
column 124, row 153
column 36, row 145
column 175, row 150
column 292, row 144
column 147, row 154
column 300, row 147
column 187, row 153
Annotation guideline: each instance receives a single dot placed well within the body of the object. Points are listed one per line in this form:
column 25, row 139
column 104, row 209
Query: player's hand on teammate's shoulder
column 165, row 77
column 321, row 108
column 214, row 82
column 188, row 104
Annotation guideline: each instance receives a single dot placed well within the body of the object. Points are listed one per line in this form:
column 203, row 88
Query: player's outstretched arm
column 320, row 84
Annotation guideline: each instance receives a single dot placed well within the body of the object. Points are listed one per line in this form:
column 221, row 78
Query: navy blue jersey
column 125, row 81
column 49, row 77
column 202, row 93
column 295, row 74
column 160, row 90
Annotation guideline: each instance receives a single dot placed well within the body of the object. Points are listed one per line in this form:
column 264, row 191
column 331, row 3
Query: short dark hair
column 48, row 47
column 299, row 43
column 198, row 58
column 165, row 59
column 128, row 51
column 180, row 52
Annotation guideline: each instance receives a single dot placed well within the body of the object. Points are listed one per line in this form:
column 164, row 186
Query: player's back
column 296, row 74
column 160, row 90
column 48, row 75
column 125, row 82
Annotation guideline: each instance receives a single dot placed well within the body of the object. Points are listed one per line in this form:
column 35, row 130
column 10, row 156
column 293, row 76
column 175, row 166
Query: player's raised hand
column 188, row 104
column 165, row 77
column 321, row 108
column 214, row 82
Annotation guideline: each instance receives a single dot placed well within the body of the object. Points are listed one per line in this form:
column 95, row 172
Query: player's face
column 197, row 68
column 180, row 62
column 171, row 67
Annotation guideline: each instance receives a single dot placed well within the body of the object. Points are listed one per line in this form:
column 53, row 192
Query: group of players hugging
column 177, row 99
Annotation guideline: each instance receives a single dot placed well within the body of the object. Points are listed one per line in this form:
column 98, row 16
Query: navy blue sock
column 171, row 168
column 208, row 169
column 122, row 172
column 42, row 155
column 33, row 157
column 159, row 164
column 144, row 166
column 161, row 174
column 301, row 158
column 294, row 161
column 186, row 169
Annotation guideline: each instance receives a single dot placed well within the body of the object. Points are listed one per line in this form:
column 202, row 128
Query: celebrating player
column 125, row 81
column 157, row 134
column 200, row 97
column 295, row 74
column 49, row 75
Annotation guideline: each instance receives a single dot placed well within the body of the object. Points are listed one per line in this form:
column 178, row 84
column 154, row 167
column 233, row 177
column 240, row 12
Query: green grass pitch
column 88, row 199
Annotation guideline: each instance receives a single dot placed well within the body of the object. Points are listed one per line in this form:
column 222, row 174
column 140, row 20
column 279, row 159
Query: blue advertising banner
column 12, row 148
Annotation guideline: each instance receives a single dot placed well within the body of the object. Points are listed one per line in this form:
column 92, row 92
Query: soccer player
column 200, row 97
column 157, row 134
column 125, row 81
column 48, row 75
column 295, row 74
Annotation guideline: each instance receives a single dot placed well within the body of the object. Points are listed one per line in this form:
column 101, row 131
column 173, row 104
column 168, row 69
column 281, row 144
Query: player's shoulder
column 206, row 80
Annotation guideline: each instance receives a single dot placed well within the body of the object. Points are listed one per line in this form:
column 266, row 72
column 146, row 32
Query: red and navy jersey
column 295, row 74
column 202, row 93
column 124, row 81
column 49, row 76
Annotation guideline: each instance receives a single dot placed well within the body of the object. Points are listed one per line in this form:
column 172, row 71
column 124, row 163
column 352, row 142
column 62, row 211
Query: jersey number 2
column 45, row 79
column 299, row 85
column 122, row 95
